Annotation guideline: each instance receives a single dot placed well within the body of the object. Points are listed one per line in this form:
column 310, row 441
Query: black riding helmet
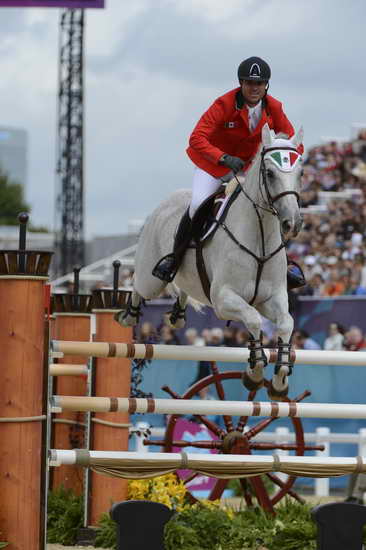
column 254, row 68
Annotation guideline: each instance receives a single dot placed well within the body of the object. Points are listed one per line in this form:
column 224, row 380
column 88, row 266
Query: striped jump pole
column 205, row 353
column 56, row 369
column 209, row 407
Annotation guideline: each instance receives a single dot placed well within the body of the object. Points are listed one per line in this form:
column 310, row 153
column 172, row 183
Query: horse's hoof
column 277, row 395
column 179, row 323
column 250, row 384
column 124, row 319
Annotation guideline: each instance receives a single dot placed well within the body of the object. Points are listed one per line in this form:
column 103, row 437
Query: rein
column 269, row 208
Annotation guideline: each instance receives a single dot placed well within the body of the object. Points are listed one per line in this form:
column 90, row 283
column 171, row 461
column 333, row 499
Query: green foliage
column 64, row 516
column 202, row 528
column 107, row 533
column 235, row 486
column 11, row 200
column 38, row 228
column 3, row 544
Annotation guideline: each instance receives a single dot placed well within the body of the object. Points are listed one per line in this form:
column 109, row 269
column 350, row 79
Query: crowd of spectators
column 339, row 338
column 330, row 248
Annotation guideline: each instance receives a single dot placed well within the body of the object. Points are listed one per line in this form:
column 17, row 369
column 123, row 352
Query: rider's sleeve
column 282, row 124
column 209, row 122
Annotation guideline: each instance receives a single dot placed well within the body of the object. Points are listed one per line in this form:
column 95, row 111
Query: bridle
column 269, row 207
column 271, row 200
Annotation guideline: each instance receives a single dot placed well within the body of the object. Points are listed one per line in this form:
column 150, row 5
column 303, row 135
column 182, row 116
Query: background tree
column 12, row 200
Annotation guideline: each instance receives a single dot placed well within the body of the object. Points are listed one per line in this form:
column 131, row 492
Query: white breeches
column 203, row 186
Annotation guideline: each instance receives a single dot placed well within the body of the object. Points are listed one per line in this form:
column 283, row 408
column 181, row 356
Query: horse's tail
column 174, row 290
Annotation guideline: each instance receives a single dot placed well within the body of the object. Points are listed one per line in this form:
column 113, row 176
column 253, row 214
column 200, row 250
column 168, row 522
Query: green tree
column 11, row 200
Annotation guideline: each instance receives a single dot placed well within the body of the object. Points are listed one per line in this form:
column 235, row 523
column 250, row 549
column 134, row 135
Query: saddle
column 204, row 225
column 210, row 212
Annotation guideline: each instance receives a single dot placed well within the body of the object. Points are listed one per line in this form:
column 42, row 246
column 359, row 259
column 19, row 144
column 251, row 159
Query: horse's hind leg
column 276, row 310
column 229, row 305
column 131, row 315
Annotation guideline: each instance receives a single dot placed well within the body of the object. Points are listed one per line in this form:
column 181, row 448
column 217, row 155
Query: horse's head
column 281, row 170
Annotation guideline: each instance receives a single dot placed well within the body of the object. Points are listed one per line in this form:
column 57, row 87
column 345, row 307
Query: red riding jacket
column 224, row 128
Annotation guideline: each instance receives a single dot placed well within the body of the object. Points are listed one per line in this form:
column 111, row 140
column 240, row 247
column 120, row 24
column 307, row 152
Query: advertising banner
column 52, row 3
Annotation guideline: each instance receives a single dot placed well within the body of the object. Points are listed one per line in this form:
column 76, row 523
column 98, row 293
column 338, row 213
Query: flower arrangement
column 167, row 489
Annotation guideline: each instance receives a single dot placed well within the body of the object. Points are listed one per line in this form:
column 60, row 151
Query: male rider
column 225, row 139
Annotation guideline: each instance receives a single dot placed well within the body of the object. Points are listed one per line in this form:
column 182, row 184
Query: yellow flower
column 167, row 489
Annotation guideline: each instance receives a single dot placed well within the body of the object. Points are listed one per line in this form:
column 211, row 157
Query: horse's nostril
column 286, row 226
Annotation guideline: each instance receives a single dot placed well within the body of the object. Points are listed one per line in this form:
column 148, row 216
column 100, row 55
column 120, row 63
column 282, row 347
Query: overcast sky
column 153, row 67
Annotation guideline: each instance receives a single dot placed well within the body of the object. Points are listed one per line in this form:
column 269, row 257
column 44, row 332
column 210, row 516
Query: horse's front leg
column 177, row 316
column 131, row 315
column 230, row 306
column 276, row 310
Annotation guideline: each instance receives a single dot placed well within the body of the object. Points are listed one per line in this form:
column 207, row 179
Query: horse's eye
column 270, row 174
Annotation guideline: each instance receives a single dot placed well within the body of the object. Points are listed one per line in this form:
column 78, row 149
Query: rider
column 225, row 139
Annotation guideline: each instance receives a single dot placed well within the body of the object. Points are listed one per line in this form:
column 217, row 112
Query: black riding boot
column 167, row 267
column 295, row 275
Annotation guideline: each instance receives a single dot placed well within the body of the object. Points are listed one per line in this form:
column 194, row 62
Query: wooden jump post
column 206, row 353
column 71, row 312
column 209, row 407
column 23, row 407
column 109, row 431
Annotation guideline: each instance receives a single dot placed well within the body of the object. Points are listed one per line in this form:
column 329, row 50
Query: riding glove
column 235, row 163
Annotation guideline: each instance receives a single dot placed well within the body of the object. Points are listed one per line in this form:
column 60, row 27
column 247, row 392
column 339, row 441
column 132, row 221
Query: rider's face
column 253, row 91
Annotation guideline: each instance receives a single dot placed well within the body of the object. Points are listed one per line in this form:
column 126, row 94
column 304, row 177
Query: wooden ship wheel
column 237, row 439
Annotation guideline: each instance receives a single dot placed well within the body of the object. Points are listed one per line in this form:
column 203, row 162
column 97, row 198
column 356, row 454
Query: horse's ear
column 298, row 137
column 266, row 136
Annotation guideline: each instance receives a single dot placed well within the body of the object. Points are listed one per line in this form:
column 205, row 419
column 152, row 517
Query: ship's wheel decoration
column 237, row 439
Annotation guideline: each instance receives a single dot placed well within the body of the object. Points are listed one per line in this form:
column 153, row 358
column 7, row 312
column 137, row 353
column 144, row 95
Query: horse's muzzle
column 290, row 228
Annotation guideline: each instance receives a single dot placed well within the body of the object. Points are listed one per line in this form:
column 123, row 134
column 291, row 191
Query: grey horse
column 245, row 260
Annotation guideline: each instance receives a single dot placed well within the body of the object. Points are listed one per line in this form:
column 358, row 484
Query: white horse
column 245, row 260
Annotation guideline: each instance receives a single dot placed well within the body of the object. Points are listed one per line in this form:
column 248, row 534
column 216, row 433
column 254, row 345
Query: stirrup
column 168, row 271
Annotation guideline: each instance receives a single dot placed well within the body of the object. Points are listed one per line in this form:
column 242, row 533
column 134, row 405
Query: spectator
column 241, row 340
column 147, row 334
column 206, row 335
column 335, row 340
column 192, row 338
column 316, row 285
column 334, row 287
column 168, row 336
column 354, row 340
column 229, row 336
column 302, row 340
column 217, row 336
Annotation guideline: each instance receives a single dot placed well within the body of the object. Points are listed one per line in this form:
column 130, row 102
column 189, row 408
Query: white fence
column 322, row 436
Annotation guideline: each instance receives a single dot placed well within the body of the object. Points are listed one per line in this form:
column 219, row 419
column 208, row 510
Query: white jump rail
column 205, row 353
column 276, row 409
column 216, row 465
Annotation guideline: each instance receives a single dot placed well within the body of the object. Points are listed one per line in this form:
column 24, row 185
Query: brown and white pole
column 23, row 404
column 112, row 376
column 72, row 314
